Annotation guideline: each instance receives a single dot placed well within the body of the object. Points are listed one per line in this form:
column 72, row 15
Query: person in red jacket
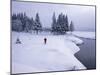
column 45, row 40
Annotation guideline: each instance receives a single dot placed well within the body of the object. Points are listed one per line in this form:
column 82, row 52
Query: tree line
column 61, row 24
column 21, row 22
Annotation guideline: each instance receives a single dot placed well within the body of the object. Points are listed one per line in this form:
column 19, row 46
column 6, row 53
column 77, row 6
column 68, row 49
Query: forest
column 22, row 23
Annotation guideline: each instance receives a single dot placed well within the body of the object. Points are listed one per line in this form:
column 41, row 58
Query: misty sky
column 83, row 17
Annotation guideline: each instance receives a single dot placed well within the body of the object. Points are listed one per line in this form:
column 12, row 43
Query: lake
column 87, row 53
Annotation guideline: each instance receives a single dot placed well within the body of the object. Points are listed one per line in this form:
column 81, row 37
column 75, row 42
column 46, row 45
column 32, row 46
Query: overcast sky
column 83, row 17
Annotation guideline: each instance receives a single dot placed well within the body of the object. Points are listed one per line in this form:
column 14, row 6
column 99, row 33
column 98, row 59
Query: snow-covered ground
column 90, row 35
column 74, row 39
column 32, row 55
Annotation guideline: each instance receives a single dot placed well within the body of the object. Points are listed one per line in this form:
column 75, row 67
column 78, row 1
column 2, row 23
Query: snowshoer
column 45, row 40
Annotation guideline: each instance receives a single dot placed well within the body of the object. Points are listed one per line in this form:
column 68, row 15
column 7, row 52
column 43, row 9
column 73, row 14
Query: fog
column 83, row 17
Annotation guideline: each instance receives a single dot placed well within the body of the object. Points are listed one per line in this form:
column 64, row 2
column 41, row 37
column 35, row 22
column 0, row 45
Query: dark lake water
column 87, row 53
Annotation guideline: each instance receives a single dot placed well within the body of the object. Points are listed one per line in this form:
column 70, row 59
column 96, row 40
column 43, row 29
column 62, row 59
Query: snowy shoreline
column 88, row 35
column 37, row 57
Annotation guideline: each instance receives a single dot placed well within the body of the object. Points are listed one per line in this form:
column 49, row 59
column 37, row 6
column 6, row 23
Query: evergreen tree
column 14, row 17
column 25, row 23
column 62, row 23
column 58, row 27
column 32, row 24
column 29, row 25
column 17, row 18
column 54, row 23
column 17, row 25
column 71, row 26
column 24, row 20
column 38, row 25
column 66, row 23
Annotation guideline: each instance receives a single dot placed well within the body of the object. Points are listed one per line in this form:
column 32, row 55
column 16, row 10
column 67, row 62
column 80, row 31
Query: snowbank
column 90, row 35
column 34, row 56
column 74, row 39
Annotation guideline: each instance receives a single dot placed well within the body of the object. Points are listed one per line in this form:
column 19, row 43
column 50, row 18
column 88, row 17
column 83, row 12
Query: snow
column 34, row 56
column 19, row 68
column 74, row 39
column 90, row 35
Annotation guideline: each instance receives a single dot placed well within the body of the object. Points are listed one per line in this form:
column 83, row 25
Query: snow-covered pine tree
column 17, row 25
column 32, row 24
column 18, row 22
column 14, row 17
column 66, row 23
column 24, row 21
column 38, row 26
column 58, row 27
column 27, row 25
column 54, row 24
column 62, row 24
column 71, row 26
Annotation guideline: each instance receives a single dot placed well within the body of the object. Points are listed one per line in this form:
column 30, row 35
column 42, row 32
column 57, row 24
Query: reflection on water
column 87, row 53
